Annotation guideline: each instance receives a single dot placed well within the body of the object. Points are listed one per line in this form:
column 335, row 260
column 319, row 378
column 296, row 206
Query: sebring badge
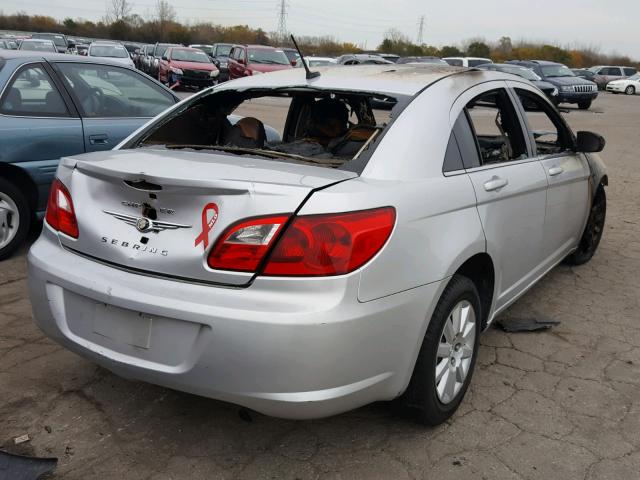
column 145, row 225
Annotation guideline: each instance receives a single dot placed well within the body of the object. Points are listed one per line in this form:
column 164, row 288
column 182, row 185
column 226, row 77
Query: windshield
column 264, row 55
column 160, row 49
column 109, row 51
column 205, row 48
column 521, row 72
column 223, row 50
column 552, row 71
column 196, row 56
column 42, row 46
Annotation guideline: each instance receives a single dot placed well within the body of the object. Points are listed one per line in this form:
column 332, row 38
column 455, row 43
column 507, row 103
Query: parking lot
column 560, row 404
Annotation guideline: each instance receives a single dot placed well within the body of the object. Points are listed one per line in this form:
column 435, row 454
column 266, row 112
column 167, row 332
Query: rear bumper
column 287, row 348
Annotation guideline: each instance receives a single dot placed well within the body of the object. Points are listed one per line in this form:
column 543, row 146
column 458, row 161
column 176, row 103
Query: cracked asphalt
column 561, row 404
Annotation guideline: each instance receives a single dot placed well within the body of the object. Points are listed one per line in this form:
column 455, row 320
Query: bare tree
column 164, row 13
column 118, row 11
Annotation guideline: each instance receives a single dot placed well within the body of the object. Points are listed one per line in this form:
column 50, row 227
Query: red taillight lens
column 243, row 245
column 333, row 244
column 60, row 213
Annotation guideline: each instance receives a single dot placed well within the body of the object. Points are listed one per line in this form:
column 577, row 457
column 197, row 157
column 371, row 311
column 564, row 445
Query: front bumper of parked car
column 615, row 88
column 287, row 347
column 576, row 97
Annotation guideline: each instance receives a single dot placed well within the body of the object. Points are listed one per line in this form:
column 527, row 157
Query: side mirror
column 164, row 58
column 589, row 142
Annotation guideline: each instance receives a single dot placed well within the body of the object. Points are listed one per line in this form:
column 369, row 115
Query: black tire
column 420, row 400
column 23, row 219
column 630, row 90
column 592, row 232
column 584, row 105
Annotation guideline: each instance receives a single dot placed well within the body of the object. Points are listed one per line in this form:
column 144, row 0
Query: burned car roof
column 395, row 79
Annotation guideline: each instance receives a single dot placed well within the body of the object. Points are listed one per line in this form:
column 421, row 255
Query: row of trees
column 504, row 49
column 161, row 24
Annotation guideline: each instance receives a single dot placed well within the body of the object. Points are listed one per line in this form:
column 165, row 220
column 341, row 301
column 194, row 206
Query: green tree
column 478, row 49
column 450, row 51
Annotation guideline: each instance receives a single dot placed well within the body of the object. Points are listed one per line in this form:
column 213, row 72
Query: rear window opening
column 326, row 128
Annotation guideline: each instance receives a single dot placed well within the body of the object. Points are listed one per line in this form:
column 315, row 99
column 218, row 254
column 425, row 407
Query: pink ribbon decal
column 207, row 225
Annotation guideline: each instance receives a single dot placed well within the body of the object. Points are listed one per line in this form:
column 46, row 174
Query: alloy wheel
column 9, row 220
column 630, row 90
column 455, row 351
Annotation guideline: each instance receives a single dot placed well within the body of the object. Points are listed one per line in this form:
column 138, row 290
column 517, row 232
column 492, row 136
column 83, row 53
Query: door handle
column 101, row 139
column 553, row 171
column 496, row 183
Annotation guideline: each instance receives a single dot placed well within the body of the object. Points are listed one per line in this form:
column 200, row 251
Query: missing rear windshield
column 327, row 128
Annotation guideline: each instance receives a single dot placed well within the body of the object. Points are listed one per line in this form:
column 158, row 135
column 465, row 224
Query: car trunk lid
column 159, row 212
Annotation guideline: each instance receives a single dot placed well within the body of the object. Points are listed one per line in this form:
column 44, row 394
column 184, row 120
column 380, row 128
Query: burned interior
column 328, row 128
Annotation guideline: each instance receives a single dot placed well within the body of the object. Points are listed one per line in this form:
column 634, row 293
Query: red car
column 188, row 67
column 245, row 60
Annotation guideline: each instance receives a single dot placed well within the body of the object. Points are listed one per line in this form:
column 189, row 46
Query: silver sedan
column 339, row 256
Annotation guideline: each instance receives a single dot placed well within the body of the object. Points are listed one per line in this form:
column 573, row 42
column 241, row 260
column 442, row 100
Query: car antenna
column 310, row 74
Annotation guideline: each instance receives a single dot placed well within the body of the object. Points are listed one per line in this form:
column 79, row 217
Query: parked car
column 550, row 90
column 467, row 61
column 82, row 49
column 630, row 86
column 293, row 56
column 153, row 63
column 37, row 45
column 208, row 49
column 8, row 44
column 361, row 59
column 55, row 105
column 113, row 51
column 320, row 61
column 350, row 261
column 145, row 58
column 605, row 74
column 571, row 89
column 220, row 56
column 584, row 73
column 419, row 60
column 58, row 39
column 189, row 67
column 247, row 60
column 392, row 57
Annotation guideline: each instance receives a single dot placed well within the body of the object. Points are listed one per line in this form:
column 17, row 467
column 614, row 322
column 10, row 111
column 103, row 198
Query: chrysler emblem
column 144, row 225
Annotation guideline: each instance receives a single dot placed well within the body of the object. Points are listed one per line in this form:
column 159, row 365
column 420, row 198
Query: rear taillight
column 332, row 244
column 60, row 213
column 243, row 245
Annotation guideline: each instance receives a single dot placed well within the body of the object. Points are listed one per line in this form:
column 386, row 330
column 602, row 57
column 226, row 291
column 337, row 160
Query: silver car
column 340, row 256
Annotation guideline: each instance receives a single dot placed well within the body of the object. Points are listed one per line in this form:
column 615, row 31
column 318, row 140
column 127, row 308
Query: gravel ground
column 561, row 404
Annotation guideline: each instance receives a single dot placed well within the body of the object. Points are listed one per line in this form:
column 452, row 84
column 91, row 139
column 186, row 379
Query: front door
column 510, row 188
column 113, row 101
column 567, row 174
column 38, row 126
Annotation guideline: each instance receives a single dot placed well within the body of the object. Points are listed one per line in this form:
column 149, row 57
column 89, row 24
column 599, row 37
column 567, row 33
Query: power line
column 282, row 20
column 421, row 31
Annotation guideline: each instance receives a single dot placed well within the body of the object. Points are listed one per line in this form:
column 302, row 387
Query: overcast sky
column 608, row 26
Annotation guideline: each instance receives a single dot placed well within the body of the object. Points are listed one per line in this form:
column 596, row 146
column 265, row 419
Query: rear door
column 38, row 124
column 567, row 173
column 113, row 101
column 510, row 186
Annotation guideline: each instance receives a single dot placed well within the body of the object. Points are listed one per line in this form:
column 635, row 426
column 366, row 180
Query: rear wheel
column 593, row 231
column 15, row 218
column 584, row 105
column 448, row 354
column 630, row 90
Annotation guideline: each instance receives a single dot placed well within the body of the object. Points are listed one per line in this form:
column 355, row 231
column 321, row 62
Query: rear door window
column 32, row 93
column 109, row 91
column 630, row 71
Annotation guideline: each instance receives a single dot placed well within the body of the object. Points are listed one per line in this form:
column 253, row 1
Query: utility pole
column 282, row 20
column 421, row 31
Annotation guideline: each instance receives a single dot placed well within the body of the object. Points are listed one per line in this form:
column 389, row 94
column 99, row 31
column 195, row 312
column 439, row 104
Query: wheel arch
column 481, row 271
column 21, row 179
